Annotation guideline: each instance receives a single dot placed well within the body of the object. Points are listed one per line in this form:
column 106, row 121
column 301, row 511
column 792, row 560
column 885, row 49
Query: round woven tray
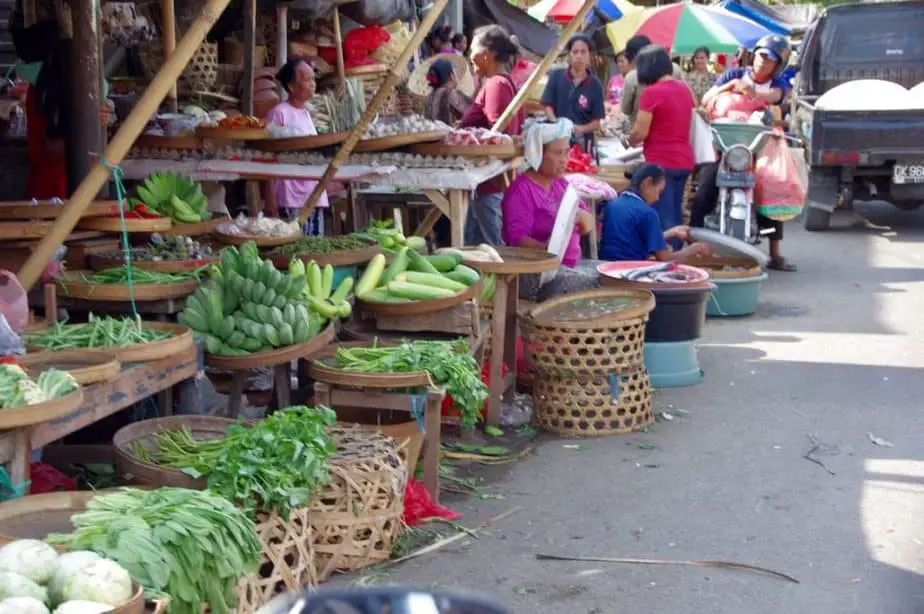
column 506, row 151
column 300, row 143
column 402, row 140
column 85, row 367
column 717, row 267
column 596, row 332
column 181, row 341
column 98, row 263
column 203, row 428
column 273, row 357
column 335, row 259
column 15, row 417
column 517, row 261
column 70, row 284
column 114, row 224
column 27, row 211
column 240, row 239
column 416, row 308
column 231, row 134
column 322, row 369
column 197, row 229
column 154, row 141
column 600, row 405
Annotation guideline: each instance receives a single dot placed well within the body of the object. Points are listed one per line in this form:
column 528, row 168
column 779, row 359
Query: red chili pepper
column 7, row 360
column 145, row 213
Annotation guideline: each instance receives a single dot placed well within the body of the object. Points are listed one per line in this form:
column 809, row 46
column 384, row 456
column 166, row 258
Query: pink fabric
column 668, row 142
column 292, row 193
column 614, row 89
column 521, row 72
column 530, row 210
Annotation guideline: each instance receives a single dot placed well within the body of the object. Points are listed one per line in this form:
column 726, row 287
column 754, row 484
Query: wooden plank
column 136, row 383
column 462, row 319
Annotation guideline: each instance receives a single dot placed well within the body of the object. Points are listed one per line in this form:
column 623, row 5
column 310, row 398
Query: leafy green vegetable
column 191, row 545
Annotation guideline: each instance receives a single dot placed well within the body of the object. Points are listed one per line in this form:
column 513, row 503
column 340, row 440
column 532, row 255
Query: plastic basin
column 679, row 314
column 342, row 272
column 673, row 364
column 735, row 297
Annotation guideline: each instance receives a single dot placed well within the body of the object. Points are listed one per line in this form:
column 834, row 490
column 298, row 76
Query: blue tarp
column 759, row 14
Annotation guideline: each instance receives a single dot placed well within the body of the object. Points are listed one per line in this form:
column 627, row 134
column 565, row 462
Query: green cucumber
column 435, row 281
column 398, row 265
column 443, row 262
column 466, row 272
column 418, row 292
column 418, row 263
column 371, row 275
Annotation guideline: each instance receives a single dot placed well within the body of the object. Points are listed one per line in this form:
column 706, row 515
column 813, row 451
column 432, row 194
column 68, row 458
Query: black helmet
column 778, row 48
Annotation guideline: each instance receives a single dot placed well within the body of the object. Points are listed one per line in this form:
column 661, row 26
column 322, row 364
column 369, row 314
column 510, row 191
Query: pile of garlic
column 407, row 124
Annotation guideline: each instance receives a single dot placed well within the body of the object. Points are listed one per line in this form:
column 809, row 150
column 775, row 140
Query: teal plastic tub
column 672, row 364
column 735, row 297
column 342, row 272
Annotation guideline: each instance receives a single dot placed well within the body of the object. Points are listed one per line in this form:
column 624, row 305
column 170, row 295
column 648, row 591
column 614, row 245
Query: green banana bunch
column 174, row 195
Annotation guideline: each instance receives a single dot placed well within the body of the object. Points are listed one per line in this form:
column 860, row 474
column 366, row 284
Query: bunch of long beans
column 119, row 275
column 178, row 449
column 98, row 333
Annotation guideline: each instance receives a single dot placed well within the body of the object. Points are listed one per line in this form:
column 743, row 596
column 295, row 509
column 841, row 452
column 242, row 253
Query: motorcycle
column 386, row 600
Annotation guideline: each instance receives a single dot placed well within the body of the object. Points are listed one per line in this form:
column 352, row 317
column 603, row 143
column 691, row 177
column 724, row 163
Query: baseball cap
column 768, row 53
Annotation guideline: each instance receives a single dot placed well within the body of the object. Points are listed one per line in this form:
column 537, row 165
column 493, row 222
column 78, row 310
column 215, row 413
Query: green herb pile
column 98, row 333
column 119, row 275
column 320, row 245
column 448, row 364
column 274, row 465
column 191, row 545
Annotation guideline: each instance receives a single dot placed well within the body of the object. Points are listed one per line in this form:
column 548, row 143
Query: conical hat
column 417, row 83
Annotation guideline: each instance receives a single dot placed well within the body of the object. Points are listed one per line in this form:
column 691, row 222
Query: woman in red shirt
column 662, row 128
column 493, row 55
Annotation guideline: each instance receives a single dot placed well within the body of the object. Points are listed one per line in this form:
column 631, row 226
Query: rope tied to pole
column 117, row 176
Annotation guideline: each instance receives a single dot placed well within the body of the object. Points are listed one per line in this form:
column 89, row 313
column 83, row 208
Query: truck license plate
column 908, row 173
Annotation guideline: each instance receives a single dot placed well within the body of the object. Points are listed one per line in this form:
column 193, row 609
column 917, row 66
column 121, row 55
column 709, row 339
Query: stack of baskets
column 587, row 350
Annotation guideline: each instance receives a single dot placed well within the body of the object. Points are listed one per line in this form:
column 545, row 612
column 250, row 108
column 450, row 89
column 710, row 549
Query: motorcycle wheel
column 736, row 229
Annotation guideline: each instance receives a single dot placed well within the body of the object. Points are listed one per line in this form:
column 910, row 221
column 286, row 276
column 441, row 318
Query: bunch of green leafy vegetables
column 448, row 363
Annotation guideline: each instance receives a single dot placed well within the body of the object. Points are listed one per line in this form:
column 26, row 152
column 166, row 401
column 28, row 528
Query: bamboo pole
column 168, row 11
column 121, row 143
column 250, row 42
column 501, row 124
column 373, row 107
column 282, row 34
column 338, row 40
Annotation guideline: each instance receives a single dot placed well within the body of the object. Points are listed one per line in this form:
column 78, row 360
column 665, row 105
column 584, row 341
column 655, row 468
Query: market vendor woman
column 576, row 94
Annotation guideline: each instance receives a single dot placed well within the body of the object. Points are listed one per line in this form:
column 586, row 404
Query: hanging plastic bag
column 418, row 505
column 735, row 107
column 701, row 141
column 14, row 303
column 781, row 185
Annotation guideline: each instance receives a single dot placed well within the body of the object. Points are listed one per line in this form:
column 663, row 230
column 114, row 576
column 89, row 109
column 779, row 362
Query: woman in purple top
column 531, row 204
column 288, row 196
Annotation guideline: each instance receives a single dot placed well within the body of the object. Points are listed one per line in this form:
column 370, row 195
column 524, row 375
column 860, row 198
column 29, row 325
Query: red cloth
column 668, row 142
column 490, row 102
column 47, row 177
column 45, row 479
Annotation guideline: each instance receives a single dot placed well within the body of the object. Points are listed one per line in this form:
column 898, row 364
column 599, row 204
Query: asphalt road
column 835, row 353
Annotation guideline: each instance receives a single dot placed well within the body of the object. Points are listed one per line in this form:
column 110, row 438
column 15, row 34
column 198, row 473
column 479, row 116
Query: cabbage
column 82, row 607
column 15, row 585
column 67, row 565
column 30, row 558
column 103, row 581
column 22, row 605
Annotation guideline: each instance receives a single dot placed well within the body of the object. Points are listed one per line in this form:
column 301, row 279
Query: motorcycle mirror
column 387, row 600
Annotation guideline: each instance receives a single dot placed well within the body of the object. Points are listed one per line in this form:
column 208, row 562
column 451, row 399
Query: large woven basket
column 200, row 75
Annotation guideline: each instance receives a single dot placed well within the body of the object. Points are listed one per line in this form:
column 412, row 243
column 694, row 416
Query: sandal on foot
column 781, row 264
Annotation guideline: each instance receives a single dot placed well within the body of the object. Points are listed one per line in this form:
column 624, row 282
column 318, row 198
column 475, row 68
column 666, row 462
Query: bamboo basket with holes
column 587, row 351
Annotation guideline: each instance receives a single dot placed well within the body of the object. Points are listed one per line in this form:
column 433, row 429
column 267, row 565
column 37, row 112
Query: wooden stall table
column 280, row 360
column 517, row 261
column 136, row 382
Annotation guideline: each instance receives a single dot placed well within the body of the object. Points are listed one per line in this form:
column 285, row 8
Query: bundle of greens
column 320, row 245
column 191, row 545
column 120, row 275
column 274, row 465
column 98, row 333
column 448, row 364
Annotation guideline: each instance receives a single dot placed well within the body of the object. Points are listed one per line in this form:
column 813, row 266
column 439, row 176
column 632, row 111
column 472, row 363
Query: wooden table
column 137, row 382
column 517, row 261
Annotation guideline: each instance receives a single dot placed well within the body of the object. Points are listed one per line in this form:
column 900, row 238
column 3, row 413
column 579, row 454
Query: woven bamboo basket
column 357, row 515
column 200, row 74
column 593, row 405
column 597, row 332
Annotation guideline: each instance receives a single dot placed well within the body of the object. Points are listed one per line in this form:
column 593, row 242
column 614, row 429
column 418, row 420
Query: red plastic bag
column 781, row 185
column 45, row 479
column 580, row 162
column 418, row 505
column 360, row 43
column 735, row 107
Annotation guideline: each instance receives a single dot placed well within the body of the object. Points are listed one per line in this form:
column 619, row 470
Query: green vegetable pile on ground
column 120, row 275
column 174, row 195
column 33, row 575
column 274, row 465
column 98, row 333
column 249, row 306
column 18, row 389
column 193, row 546
column 390, row 238
column 448, row 364
column 413, row 277
column 320, row 245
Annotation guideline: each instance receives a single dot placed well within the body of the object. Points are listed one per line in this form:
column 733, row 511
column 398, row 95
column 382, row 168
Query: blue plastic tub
column 735, row 297
column 672, row 364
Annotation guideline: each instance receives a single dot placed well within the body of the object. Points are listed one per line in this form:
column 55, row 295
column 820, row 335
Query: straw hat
column 417, row 83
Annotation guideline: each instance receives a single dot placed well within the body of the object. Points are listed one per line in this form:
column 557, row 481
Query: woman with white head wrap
column 531, row 205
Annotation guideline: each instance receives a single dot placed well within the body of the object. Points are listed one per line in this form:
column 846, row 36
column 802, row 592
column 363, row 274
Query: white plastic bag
column 701, row 141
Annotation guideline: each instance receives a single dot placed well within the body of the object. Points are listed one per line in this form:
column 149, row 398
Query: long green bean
column 119, row 275
column 98, row 333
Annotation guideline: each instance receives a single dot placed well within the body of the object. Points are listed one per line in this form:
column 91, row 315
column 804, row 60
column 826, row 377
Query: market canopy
column 760, row 14
column 682, row 28
column 534, row 36
column 563, row 11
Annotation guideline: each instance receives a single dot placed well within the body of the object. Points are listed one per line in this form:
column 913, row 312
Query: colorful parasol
column 563, row 11
column 682, row 28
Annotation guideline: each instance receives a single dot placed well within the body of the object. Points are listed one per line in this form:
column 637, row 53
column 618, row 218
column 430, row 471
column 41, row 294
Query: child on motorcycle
column 762, row 82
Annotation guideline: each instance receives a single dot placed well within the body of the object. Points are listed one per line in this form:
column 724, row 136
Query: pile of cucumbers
column 413, row 277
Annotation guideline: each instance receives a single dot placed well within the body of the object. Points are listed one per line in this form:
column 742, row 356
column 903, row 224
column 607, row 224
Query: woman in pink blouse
column 531, row 204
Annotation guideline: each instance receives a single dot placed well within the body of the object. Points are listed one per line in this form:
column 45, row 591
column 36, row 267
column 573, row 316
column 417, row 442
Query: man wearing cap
column 763, row 79
column 631, row 89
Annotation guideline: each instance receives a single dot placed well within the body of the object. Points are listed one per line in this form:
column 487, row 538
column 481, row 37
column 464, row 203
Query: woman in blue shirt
column 632, row 228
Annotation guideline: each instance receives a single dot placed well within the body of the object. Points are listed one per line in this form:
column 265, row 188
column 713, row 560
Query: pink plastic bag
column 781, row 187
column 14, row 303
column 735, row 107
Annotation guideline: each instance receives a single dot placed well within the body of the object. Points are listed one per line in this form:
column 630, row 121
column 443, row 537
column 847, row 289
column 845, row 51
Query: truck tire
column 823, row 185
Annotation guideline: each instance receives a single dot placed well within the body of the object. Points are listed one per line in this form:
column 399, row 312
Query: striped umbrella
column 682, row 28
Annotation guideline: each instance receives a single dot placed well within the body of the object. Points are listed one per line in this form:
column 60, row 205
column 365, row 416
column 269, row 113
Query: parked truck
column 867, row 153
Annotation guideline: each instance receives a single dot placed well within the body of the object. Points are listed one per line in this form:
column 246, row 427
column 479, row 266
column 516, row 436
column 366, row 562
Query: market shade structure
column 682, row 28
column 758, row 13
column 563, row 11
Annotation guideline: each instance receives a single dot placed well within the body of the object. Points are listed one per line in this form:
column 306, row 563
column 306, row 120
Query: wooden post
column 250, row 41
column 121, row 143
column 373, row 107
column 338, row 40
column 282, row 34
column 84, row 134
column 168, row 11
column 501, row 124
